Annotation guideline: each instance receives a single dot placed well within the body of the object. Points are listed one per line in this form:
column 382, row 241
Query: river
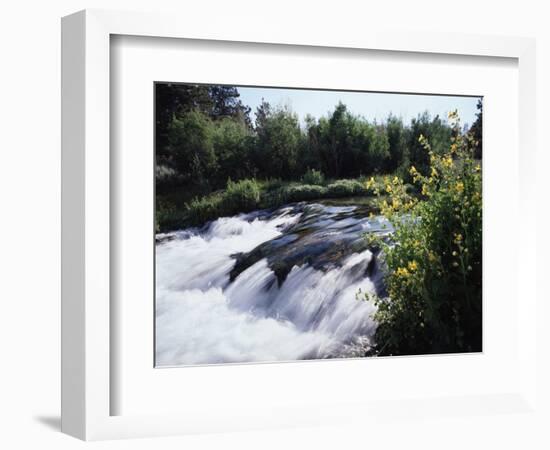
column 268, row 286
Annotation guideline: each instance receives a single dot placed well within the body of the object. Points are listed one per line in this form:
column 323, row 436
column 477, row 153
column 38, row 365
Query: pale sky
column 367, row 104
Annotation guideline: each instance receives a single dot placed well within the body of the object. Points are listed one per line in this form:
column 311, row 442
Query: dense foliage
column 205, row 135
column 434, row 257
column 313, row 176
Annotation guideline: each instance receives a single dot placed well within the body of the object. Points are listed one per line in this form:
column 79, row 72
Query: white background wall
column 30, row 197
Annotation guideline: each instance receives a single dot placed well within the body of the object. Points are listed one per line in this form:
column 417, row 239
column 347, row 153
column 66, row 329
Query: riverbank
column 175, row 210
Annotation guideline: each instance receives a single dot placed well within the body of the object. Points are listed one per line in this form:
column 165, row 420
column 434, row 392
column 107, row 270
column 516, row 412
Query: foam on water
column 202, row 318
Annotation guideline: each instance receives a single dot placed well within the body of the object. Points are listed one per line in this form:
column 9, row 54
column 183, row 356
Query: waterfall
column 204, row 317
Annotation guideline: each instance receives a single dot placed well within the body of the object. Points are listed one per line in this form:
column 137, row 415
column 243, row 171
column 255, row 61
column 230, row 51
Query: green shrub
column 242, row 195
column 433, row 278
column 274, row 198
column 314, row 177
column 302, row 192
column 201, row 210
column 272, row 184
column 346, row 188
column 168, row 217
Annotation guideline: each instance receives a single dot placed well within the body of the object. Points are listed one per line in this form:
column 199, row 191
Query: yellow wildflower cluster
column 447, row 162
column 402, row 272
column 452, row 114
column 415, row 174
column 409, row 205
column 424, row 142
column 371, row 183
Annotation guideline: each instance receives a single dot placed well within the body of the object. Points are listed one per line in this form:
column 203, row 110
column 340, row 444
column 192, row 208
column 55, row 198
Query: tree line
column 205, row 136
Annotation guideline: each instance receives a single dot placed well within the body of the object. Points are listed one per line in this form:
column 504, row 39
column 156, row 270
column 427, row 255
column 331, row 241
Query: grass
column 175, row 211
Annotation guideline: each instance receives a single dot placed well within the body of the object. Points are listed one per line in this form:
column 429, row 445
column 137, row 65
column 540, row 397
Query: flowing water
column 267, row 286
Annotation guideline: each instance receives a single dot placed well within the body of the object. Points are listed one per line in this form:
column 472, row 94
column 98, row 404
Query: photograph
column 298, row 224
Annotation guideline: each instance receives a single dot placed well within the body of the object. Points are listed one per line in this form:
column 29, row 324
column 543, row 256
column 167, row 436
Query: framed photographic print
column 280, row 233
column 252, row 219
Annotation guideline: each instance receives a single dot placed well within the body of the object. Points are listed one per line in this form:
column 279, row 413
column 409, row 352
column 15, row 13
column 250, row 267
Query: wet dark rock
column 162, row 238
column 376, row 270
column 323, row 237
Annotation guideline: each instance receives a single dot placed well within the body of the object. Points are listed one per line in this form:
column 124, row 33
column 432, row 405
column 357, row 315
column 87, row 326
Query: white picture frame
column 87, row 385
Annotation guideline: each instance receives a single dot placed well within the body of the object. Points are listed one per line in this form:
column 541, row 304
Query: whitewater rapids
column 207, row 315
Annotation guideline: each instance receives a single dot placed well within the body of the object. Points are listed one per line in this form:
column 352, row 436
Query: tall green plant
column 434, row 301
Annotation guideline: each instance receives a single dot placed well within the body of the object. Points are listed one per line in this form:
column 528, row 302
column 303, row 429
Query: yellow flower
column 413, row 170
column 425, row 189
column 452, row 114
column 413, row 266
column 388, row 188
column 458, row 238
column 395, row 180
column 402, row 272
column 395, row 203
column 447, row 162
column 370, row 183
column 434, row 172
column 459, row 187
